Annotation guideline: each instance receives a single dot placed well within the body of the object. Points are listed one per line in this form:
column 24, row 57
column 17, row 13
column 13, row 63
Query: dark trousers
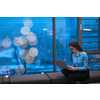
column 73, row 76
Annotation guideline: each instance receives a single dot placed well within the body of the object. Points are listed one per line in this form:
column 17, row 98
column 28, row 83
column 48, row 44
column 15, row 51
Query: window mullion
column 79, row 27
column 54, row 44
column 99, row 33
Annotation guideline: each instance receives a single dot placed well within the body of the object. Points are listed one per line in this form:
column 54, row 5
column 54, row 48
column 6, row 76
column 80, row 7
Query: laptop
column 62, row 64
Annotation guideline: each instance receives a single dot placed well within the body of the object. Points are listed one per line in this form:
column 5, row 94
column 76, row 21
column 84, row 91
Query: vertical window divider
column 99, row 33
column 79, row 27
column 54, row 44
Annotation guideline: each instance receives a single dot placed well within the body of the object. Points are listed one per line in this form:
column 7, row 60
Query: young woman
column 79, row 70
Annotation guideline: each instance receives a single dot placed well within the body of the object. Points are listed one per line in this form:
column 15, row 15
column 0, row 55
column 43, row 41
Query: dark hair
column 76, row 45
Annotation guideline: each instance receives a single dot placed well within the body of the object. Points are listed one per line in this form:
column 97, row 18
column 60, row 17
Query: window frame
column 79, row 33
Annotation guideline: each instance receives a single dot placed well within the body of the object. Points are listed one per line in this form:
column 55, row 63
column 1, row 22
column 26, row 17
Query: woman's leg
column 77, row 76
column 66, row 73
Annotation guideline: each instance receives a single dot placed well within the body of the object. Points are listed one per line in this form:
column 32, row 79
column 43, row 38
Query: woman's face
column 73, row 49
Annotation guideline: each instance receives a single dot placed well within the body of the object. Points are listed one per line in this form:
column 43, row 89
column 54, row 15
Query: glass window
column 90, row 28
column 90, row 40
column 89, row 17
column 90, row 22
column 26, row 45
column 94, row 62
column 90, row 33
column 66, row 31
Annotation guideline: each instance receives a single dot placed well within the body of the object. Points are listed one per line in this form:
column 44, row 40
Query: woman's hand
column 72, row 68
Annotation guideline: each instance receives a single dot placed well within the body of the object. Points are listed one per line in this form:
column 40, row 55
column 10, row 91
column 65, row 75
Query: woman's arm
column 85, row 63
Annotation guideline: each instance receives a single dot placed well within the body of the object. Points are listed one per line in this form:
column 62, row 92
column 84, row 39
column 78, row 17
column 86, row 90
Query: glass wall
column 90, row 40
column 94, row 62
column 66, row 31
column 90, row 33
column 26, row 45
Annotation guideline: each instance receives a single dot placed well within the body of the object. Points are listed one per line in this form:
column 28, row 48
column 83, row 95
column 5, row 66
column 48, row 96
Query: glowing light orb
column 18, row 41
column 24, row 39
column 29, row 59
column 6, row 42
column 25, row 30
column 28, row 23
column 23, row 53
column 33, row 52
column 24, row 45
column 20, row 69
column 33, row 43
column 31, row 37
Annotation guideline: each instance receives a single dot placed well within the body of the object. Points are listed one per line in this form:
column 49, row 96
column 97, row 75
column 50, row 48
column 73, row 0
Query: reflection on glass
column 29, row 59
column 31, row 37
column 24, row 45
column 28, row 22
column 87, row 29
column 6, row 42
column 33, row 52
column 18, row 41
column 23, row 53
column 20, row 69
column 33, row 43
column 25, row 30
column 24, row 39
